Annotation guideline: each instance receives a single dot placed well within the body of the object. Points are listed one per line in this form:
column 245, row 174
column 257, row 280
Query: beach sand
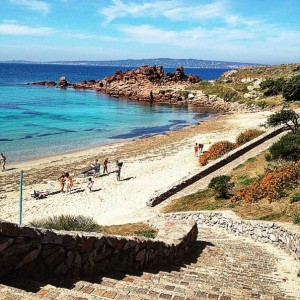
column 150, row 164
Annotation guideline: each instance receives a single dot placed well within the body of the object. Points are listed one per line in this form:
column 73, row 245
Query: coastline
column 76, row 152
column 150, row 164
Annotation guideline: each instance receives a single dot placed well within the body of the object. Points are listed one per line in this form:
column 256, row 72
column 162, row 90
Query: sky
column 253, row 31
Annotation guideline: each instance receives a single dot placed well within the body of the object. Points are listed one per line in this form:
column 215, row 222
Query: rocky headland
column 151, row 84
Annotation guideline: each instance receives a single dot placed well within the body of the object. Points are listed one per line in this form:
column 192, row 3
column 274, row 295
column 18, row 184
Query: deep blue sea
column 38, row 121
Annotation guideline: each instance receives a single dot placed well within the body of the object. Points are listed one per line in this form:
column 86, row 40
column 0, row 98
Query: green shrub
column 222, row 185
column 273, row 87
column 146, row 233
column 295, row 197
column 288, row 147
column 248, row 135
column 268, row 157
column 291, row 89
column 296, row 218
column 68, row 223
column 244, row 180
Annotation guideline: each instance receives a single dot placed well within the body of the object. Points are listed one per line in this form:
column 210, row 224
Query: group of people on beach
column 95, row 168
column 65, row 181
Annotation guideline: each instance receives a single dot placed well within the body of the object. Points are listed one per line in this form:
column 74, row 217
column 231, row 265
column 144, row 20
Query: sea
column 38, row 121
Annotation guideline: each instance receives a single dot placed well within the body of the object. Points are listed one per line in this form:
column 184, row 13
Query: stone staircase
column 225, row 267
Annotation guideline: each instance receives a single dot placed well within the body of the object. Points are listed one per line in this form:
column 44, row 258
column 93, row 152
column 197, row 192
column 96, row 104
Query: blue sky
column 255, row 31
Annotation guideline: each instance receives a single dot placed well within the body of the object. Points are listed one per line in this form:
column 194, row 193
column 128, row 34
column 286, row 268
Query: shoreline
column 150, row 164
column 14, row 164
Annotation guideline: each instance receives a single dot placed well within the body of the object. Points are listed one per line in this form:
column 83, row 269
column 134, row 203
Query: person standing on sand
column 196, row 148
column 105, row 163
column 118, row 170
column 62, row 181
column 2, row 161
column 201, row 146
column 90, row 184
column 69, row 183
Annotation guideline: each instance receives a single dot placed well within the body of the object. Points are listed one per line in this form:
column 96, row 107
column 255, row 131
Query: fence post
column 21, row 194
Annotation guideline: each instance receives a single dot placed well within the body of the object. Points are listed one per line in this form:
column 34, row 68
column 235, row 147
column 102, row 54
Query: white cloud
column 12, row 28
column 196, row 12
column 176, row 10
column 118, row 8
column 33, row 5
column 196, row 37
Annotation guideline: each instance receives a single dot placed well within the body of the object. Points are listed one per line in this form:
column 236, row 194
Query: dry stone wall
column 283, row 235
column 41, row 253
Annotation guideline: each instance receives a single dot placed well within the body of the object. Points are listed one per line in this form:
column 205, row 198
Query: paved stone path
column 221, row 266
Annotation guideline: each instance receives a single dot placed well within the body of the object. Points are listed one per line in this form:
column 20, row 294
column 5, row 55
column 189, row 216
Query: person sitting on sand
column 90, row 184
column 105, row 163
column 96, row 166
column 62, row 181
column 38, row 194
column 69, row 183
column 2, row 161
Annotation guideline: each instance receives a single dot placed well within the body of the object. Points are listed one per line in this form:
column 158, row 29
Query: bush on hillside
column 216, row 150
column 273, row 87
column 291, row 89
column 248, row 135
column 222, row 185
column 295, row 197
column 296, row 218
column 287, row 148
column 68, row 223
column 271, row 185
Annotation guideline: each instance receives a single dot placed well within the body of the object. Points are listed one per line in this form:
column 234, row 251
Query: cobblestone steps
column 224, row 267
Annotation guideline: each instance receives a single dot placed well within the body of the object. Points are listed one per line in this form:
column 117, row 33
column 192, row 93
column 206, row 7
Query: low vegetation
column 215, row 151
column 87, row 224
column 265, row 86
column 263, row 190
column 218, row 149
column 248, row 135
column 222, row 186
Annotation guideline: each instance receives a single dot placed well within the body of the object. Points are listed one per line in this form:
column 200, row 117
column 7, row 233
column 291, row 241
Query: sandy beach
column 150, row 164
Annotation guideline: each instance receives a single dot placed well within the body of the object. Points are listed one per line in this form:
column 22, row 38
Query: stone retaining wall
column 164, row 194
column 283, row 235
column 41, row 253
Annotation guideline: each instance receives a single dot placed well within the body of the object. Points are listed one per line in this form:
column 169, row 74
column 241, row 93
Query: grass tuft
column 68, row 223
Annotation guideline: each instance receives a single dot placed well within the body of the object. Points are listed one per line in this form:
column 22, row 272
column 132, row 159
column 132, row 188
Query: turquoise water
column 37, row 121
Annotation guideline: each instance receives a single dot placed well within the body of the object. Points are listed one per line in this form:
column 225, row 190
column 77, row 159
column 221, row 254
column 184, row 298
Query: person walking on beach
column 90, row 184
column 105, row 163
column 62, row 181
column 196, row 148
column 201, row 146
column 69, row 183
column 2, row 161
column 118, row 170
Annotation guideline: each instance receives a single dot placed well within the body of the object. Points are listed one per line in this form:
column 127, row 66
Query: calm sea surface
column 38, row 121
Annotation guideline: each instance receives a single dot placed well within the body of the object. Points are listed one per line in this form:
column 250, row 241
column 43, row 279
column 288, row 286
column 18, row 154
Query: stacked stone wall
column 41, row 253
column 283, row 235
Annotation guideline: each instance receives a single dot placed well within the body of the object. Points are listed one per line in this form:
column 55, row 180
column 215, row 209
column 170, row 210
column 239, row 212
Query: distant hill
column 165, row 62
